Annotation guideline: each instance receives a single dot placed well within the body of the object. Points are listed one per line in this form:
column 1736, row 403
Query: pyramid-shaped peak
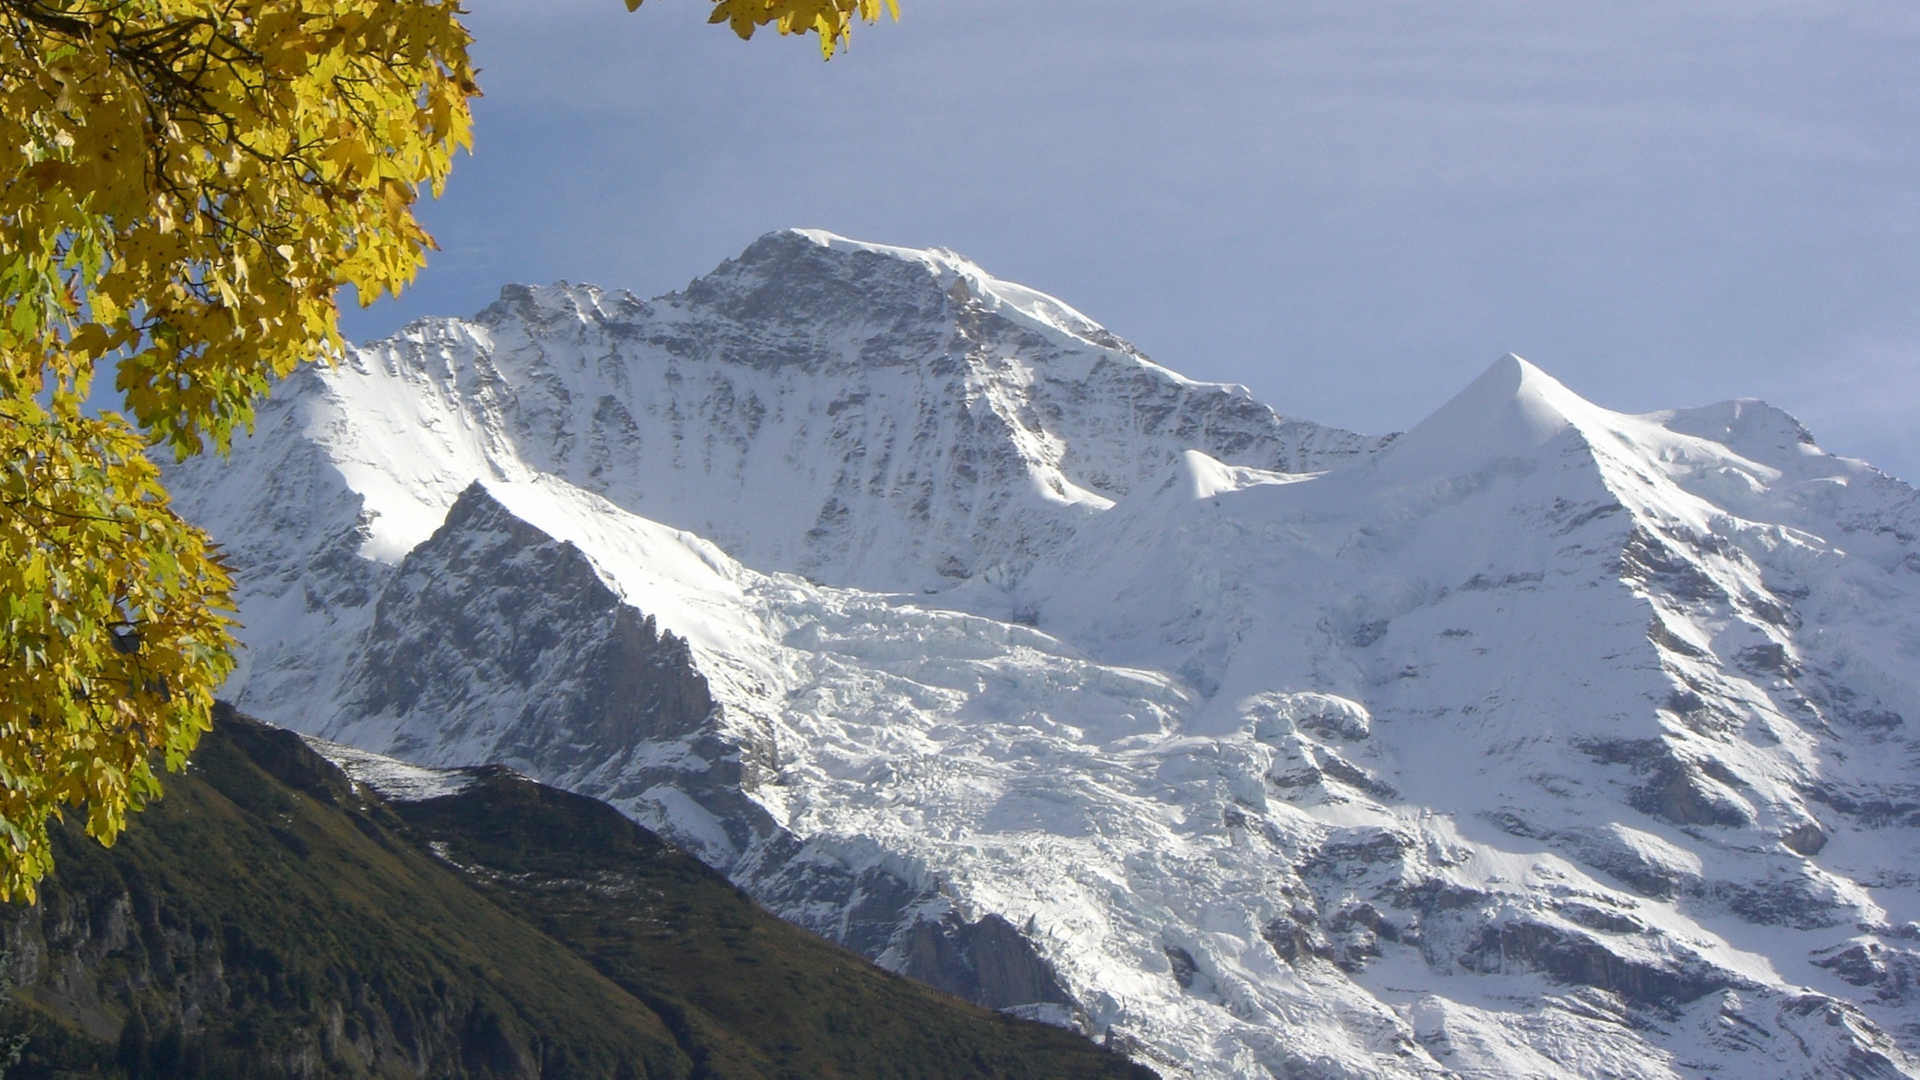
column 1513, row 376
column 1510, row 411
column 1511, row 366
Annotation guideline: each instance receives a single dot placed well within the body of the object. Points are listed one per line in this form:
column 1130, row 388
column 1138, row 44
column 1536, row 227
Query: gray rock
column 986, row 961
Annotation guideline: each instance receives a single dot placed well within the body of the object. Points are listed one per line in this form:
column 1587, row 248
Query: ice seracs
column 1542, row 740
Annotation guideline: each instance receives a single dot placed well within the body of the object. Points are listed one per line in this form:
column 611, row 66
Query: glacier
column 1539, row 740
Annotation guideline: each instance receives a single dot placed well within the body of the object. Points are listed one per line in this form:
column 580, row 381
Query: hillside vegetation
column 271, row 918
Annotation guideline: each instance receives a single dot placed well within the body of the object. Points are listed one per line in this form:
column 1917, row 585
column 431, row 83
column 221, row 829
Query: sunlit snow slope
column 1542, row 740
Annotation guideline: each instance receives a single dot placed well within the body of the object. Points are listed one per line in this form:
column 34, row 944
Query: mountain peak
column 786, row 266
column 1511, row 366
column 1512, row 382
column 1510, row 411
column 1753, row 427
column 1035, row 667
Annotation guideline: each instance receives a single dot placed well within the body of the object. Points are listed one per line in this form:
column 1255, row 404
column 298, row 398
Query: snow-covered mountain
column 1541, row 740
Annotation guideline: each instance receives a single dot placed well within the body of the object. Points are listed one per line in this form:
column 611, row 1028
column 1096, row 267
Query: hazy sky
column 1352, row 206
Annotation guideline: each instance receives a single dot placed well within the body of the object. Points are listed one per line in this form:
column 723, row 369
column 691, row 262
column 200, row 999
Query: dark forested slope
column 271, row 918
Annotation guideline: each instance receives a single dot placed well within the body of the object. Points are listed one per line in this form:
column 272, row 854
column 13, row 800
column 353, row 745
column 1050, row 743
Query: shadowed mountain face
column 1539, row 740
column 272, row 917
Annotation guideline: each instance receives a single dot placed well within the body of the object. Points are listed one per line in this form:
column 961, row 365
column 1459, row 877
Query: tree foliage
column 187, row 184
column 184, row 186
column 832, row 20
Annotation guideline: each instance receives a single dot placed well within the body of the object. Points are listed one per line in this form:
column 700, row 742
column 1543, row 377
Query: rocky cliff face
column 1539, row 740
column 590, row 676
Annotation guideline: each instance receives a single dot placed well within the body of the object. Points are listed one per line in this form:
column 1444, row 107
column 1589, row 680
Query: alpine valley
column 1540, row 740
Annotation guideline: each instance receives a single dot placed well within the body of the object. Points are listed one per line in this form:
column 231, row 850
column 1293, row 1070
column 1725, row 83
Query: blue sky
column 1351, row 207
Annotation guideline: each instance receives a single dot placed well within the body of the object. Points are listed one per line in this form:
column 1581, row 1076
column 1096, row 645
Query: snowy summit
column 1541, row 740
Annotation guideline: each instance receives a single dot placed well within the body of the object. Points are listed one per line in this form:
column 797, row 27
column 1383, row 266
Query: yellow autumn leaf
column 168, row 149
column 131, row 220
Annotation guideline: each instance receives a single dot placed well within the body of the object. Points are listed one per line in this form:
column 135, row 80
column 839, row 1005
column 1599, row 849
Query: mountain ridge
column 1539, row 730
